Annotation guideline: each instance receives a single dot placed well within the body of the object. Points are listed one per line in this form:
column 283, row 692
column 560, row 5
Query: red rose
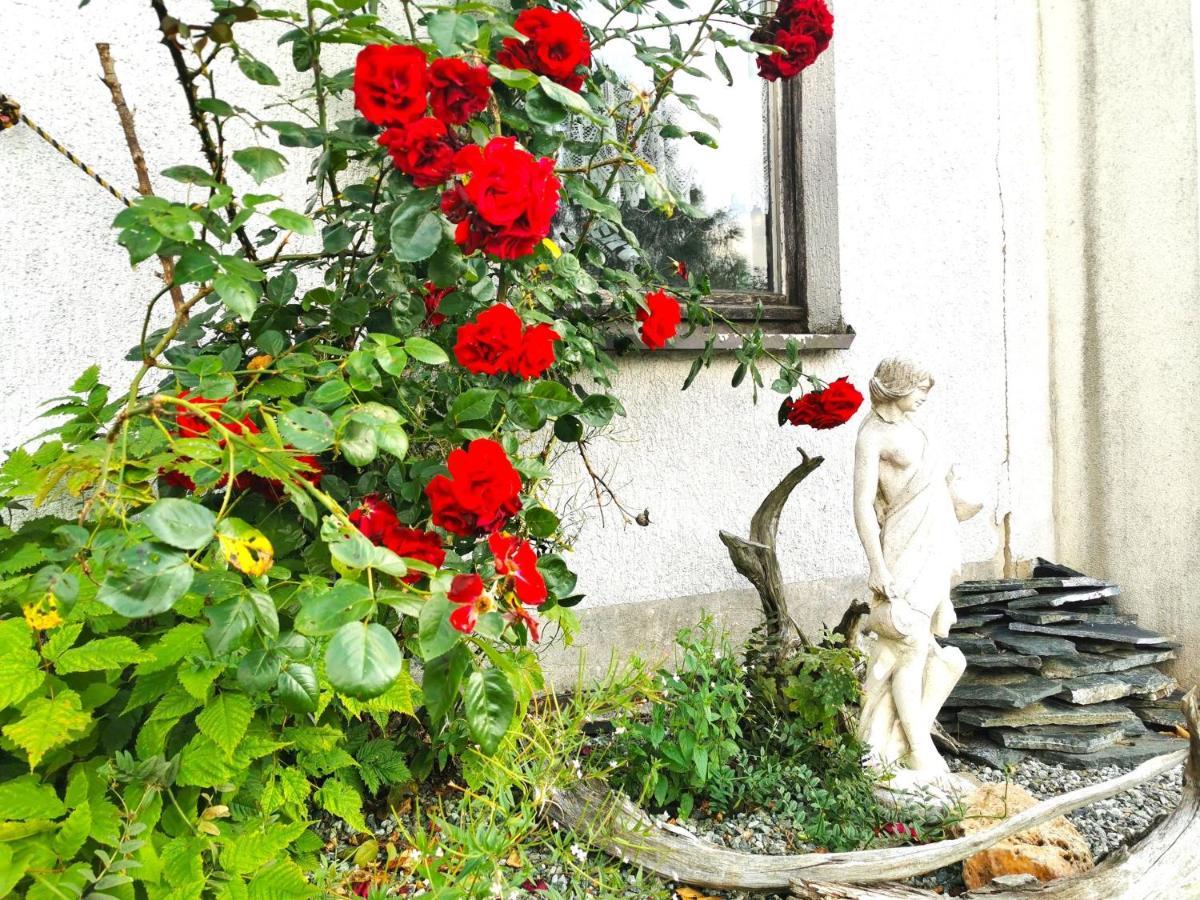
column 422, row 150
column 374, row 517
column 415, row 544
column 389, row 84
column 536, row 353
column 803, row 28
column 434, row 296
column 467, row 591
column 272, row 488
column 193, row 424
column 505, row 205
column 557, row 46
column 516, row 558
column 660, row 320
column 447, row 511
column 458, row 90
column 522, row 615
column 487, row 345
column 828, row 408
column 482, row 492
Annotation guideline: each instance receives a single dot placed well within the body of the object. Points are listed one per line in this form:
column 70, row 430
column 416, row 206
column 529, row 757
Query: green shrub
column 685, row 750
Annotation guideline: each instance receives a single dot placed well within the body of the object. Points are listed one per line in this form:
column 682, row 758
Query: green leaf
column 152, row 580
column 225, row 720
column 346, row 601
column 393, row 439
column 73, row 832
column 343, row 801
column 308, row 430
column 239, row 295
column 190, row 175
column 258, row 670
column 426, row 351
column 443, row 676
column 26, row 797
column 195, row 266
column 541, row 522
column 260, row 162
column 180, row 523
column 702, row 137
column 331, row 393
column 560, row 580
column 489, row 702
column 553, row 399
column 46, row 723
column 568, row 429
column 473, row 405
column 297, row 688
column 435, row 633
column 113, row 653
column 20, row 674
column 521, row 79
column 451, row 31
column 362, row 660
column 217, row 107
column 722, row 67
column 257, row 71
column 353, row 550
column 568, row 98
column 230, row 622
column 415, row 233
column 293, row 221
column 672, row 131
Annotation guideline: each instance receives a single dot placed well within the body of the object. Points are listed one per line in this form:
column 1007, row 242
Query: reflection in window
column 725, row 189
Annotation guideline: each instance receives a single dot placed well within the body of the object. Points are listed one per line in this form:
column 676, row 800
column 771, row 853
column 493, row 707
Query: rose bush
column 327, row 473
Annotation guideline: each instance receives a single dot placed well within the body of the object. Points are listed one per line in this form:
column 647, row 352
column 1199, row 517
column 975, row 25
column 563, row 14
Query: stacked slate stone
column 1056, row 672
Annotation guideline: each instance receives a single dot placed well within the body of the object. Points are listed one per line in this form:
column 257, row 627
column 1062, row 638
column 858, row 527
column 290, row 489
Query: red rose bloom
column 434, row 296
column 422, row 150
column 516, row 558
column 415, row 544
column 193, row 424
column 458, row 90
column 803, row 28
column 487, row 345
column 374, row 517
column 467, row 591
column 481, row 493
column 557, row 46
column 660, row 320
column 829, row 408
column 389, row 84
column 536, row 353
column 506, row 204
column 522, row 615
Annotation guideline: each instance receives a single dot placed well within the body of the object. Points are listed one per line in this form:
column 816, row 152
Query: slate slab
column 1044, row 568
column 1008, row 690
column 1097, row 615
column 1095, row 688
column 988, row 752
column 1067, row 738
column 1117, row 634
column 966, row 601
column 975, row 619
column 1149, row 682
column 1065, row 598
column 1108, row 648
column 1161, row 718
column 1093, row 663
column 1002, row 660
column 1047, row 712
column 1124, row 754
column 990, row 585
column 1031, row 644
column 1170, row 701
column 969, row 642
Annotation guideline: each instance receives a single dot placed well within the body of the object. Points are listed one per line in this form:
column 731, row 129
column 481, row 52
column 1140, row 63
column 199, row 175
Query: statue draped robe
column 919, row 538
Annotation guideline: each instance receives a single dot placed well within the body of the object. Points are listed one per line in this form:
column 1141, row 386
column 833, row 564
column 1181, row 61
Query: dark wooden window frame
column 803, row 226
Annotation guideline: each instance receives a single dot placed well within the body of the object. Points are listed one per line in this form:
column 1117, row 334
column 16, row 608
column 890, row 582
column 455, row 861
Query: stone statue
column 907, row 514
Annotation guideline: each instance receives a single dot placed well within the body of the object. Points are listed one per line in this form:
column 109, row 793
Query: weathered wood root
column 611, row 822
column 1164, row 864
column 756, row 559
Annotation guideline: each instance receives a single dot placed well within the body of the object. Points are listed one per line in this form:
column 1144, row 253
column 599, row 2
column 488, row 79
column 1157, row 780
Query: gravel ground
column 1106, row 826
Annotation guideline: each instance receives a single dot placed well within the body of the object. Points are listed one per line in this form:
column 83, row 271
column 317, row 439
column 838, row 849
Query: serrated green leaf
column 110, row 653
column 225, row 720
column 343, row 801
column 260, row 163
column 25, row 797
column 46, row 723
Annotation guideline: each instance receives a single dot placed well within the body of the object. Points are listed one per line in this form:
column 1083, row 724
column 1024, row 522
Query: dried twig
column 145, row 188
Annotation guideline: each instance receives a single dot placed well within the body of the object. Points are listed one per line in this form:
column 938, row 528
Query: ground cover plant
column 303, row 558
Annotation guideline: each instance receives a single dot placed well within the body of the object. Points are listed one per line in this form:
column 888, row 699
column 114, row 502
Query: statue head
column 900, row 383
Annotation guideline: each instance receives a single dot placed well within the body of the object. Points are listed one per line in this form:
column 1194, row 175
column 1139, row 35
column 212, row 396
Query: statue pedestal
column 933, row 790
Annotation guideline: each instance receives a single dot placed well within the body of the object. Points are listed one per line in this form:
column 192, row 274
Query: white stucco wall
column 940, row 200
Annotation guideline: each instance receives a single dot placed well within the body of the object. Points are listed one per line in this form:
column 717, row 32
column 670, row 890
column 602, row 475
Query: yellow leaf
column 366, row 853
column 646, row 167
column 514, row 860
column 246, row 549
column 260, row 362
column 554, row 249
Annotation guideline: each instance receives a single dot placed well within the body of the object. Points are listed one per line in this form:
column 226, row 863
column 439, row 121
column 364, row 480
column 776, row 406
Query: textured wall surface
column 940, row 194
column 1125, row 289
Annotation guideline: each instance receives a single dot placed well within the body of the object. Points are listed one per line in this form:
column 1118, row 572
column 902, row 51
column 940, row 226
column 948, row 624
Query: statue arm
column 866, row 486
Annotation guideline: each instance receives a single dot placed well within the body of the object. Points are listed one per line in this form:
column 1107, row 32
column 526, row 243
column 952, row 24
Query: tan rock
column 1052, row 850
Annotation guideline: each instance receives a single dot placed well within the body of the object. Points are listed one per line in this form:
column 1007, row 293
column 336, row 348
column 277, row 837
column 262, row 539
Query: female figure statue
column 907, row 518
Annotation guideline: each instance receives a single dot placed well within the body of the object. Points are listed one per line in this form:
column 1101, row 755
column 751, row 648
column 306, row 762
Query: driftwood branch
column 145, row 188
column 757, row 561
column 1163, row 864
column 611, row 822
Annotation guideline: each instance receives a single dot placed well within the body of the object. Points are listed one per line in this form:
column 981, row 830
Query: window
column 767, row 225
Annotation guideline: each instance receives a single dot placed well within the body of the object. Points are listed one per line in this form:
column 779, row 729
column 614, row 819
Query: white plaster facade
column 960, row 195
